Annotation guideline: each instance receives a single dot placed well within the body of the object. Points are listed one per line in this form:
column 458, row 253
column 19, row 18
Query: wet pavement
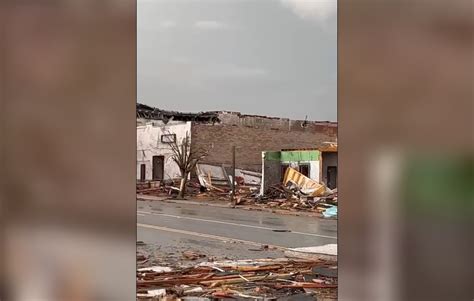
column 167, row 229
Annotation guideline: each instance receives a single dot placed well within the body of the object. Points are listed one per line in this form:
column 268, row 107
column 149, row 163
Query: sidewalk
column 223, row 204
column 326, row 252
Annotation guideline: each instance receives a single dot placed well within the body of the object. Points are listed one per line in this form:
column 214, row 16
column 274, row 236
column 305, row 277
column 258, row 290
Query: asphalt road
column 171, row 228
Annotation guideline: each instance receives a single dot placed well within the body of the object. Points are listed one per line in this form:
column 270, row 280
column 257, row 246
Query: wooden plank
column 306, row 285
column 213, row 283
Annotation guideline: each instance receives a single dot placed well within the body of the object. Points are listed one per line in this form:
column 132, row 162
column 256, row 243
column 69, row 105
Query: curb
column 142, row 197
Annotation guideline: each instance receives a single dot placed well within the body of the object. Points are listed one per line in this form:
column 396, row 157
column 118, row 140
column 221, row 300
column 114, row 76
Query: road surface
column 169, row 228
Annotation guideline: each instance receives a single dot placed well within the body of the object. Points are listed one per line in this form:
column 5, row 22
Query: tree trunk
column 182, row 187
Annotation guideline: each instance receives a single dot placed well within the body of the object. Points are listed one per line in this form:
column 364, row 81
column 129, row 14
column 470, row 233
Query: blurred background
column 68, row 150
column 405, row 106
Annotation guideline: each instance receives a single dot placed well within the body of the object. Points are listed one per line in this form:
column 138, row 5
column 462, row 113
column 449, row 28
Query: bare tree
column 186, row 158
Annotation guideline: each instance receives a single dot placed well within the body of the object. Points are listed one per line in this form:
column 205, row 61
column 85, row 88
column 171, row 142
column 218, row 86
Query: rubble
column 151, row 113
column 304, row 185
column 167, row 188
column 264, row 279
column 157, row 269
column 330, row 212
column 295, row 193
column 217, row 178
column 290, row 198
column 191, row 255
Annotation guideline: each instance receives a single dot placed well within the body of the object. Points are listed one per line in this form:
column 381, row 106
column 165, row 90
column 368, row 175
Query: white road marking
column 215, row 237
column 232, row 224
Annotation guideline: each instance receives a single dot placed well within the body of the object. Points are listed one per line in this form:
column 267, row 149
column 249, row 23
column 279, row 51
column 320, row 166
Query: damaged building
column 218, row 132
column 318, row 164
column 154, row 153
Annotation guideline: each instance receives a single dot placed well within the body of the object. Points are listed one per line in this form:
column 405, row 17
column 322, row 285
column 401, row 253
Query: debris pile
column 297, row 192
column 167, row 187
column 265, row 279
column 148, row 187
column 281, row 197
column 217, row 179
column 303, row 185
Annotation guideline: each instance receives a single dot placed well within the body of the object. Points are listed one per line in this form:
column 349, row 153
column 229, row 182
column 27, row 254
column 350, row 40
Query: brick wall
column 252, row 134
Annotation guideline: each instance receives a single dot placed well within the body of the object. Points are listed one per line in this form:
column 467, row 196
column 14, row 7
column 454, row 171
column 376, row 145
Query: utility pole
column 233, row 176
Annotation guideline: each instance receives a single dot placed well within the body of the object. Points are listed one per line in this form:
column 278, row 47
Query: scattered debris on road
column 263, row 279
column 278, row 197
column 262, row 248
column 191, row 255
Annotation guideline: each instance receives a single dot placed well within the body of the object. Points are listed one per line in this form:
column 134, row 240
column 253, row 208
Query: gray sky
column 266, row 57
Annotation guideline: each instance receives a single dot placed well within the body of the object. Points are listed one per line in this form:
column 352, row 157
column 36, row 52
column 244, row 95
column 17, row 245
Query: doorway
column 328, row 171
column 304, row 169
column 158, row 167
column 142, row 172
column 332, row 177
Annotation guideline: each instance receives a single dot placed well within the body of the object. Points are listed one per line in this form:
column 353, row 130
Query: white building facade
column 154, row 153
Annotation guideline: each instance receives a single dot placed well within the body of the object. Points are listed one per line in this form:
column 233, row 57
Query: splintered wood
column 243, row 279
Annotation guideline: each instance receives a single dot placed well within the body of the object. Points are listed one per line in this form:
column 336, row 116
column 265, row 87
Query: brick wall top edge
column 225, row 121
column 310, row 127
column 240, row 115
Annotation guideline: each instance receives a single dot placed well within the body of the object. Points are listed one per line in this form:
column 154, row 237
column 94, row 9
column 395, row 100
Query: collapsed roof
column 151, row 113
column 147, row 112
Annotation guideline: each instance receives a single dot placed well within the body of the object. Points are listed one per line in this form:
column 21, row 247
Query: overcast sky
column 266, row 57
